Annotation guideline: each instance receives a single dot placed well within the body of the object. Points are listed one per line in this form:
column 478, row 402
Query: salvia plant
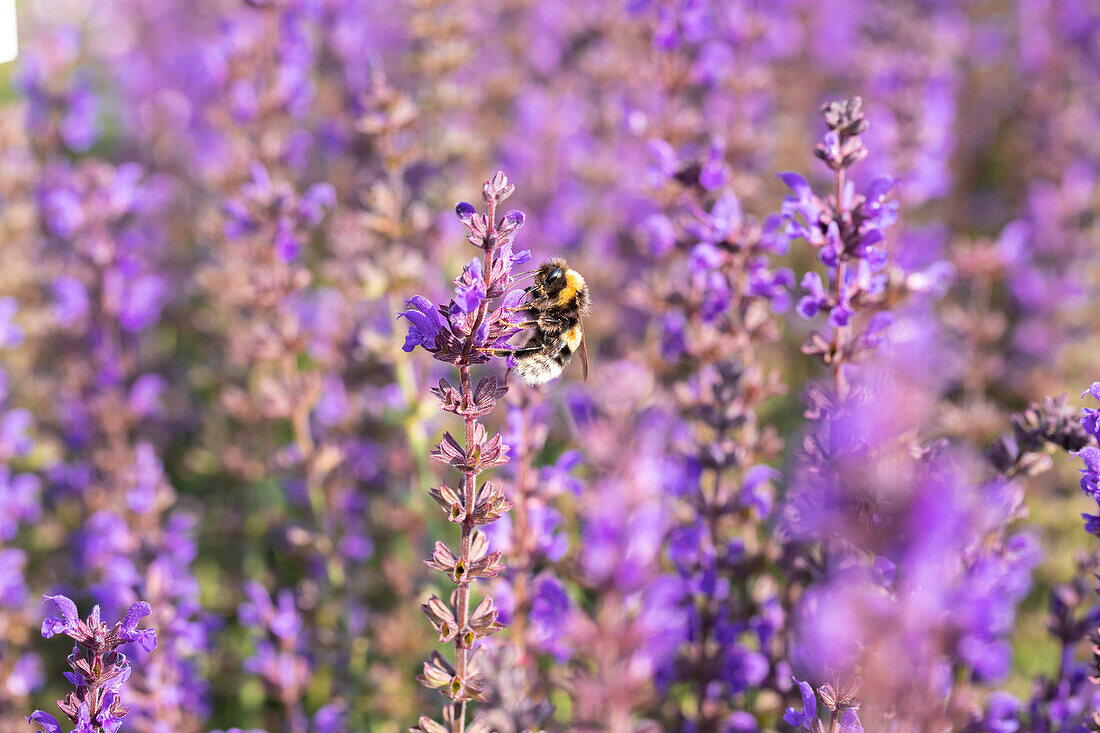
column 478, row 318
column 821, row 474
column 99, row 670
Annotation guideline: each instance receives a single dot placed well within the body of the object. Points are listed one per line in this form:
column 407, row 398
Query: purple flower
column 815, row 298
column 142, row 301
column 11, row 333
column 1090, row 417
column 743, row 668
column 13, row 589
column 287, row 245
column 465, row 210
column 48, row 722
column 797, row 184
column 332, row 406
column 704, row 258
column 63, row 212
column 98, row 670
column 424, row 324
column 549, row 615
column 514, row 219
column 849, row 722
column 712, row 175
column 756, row 490
column 282, row 618
column 79, row 128
column 470, row 287
column 558, row 477
column 881, row 214
column 315, row 202
column 83, row 720
column 65, row 623
column 145, row 477
column 107, row 719
column 20, row 497
column 833, row 248
column 26, row 675
column 238, row 220
column 279, row 639
column 772, row 286
column 806, row 716
column 659, row 234
column 146, row 638
column 673, row 335
column 721, row 223
column 1002, row 713
column 1090, row 474
column 663, row 162
column 145, row 394
column 243, row 102
column 740, row 722
column 841, row 313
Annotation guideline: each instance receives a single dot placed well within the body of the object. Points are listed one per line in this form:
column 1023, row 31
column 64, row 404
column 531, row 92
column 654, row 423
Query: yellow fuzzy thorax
column 574, row 283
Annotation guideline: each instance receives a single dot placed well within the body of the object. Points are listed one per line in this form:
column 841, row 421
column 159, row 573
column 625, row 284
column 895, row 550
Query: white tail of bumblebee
column 537, row 369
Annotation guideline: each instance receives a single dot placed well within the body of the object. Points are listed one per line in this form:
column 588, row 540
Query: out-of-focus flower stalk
column 847, row 229
column 522, row 566
column 841, row 269
column 720, row 295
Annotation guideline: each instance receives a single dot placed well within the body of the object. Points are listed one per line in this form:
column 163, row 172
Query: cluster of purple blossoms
column 279, row 657
column 264, row 201
column 99, row 670
column 847, row 229
column 1090, row 454
column 461, row 331
column 62, row 103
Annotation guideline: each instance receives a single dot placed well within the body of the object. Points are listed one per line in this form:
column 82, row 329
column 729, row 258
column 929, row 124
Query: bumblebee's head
column 551, row 277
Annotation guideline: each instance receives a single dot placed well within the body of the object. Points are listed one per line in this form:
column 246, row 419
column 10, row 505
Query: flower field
column 707, row 366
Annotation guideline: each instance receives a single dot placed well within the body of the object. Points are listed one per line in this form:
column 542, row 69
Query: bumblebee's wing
column 584, row 357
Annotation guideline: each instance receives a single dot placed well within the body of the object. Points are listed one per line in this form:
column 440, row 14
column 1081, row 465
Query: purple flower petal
column 796, row 183
column 464, row 210
column 146, row 638
column 66, row 623
column 48, row 722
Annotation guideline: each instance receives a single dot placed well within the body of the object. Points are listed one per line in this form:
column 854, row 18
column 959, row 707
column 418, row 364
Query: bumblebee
column 557, row 301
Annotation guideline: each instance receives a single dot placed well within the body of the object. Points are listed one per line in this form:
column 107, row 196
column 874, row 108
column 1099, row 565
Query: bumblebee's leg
column 518, row 353
column 548, row 324
column 554, row 324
